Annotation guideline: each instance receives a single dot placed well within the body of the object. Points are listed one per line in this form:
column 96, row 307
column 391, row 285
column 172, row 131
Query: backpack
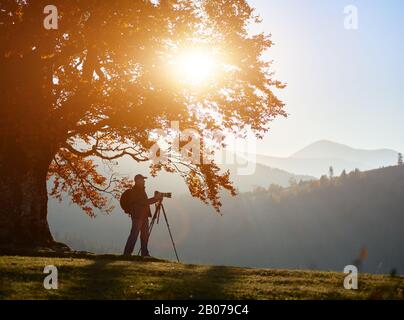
column 125, row 201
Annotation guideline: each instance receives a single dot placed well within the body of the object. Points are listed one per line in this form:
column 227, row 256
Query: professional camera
column 166, row 194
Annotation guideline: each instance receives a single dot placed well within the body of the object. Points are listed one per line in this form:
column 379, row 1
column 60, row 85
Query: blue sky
column 343, row 85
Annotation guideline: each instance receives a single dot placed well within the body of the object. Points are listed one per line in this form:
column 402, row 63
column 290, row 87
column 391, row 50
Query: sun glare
column 194, row 67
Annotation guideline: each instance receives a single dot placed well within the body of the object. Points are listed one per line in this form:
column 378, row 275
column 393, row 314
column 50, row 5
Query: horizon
column 328, row 141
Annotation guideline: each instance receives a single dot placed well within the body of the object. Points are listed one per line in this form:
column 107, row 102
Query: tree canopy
column 98, row 85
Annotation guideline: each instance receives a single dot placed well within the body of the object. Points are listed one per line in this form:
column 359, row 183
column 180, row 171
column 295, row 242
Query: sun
column 194, row 67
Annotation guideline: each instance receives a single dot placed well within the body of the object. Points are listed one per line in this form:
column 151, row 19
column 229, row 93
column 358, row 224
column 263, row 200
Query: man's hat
column 139, row 176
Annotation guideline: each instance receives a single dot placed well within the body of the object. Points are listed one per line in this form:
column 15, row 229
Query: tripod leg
column 156, row 215
column 169, row 231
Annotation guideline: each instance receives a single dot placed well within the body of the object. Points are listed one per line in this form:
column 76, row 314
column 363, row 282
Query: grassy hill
column 113, row 277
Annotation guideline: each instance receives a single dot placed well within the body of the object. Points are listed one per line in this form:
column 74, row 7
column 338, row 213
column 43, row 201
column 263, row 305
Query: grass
column 112, row 277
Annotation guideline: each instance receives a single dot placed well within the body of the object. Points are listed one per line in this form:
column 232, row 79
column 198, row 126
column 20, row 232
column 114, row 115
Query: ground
column 112, row 277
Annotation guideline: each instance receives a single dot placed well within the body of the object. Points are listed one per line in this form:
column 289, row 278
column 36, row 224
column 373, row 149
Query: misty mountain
column 262, row 177
column 316, row 159
column 246, row 176
column 332, row 150
column 319, row 224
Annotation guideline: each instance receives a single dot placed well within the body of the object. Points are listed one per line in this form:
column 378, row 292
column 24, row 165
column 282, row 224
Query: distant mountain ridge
column 263, row 176
column 329, row 149
column 316, row 158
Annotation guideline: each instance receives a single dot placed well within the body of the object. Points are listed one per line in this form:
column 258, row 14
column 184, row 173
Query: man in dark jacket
column 140, row 216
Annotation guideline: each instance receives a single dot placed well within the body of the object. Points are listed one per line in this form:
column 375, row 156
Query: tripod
column 156, row 217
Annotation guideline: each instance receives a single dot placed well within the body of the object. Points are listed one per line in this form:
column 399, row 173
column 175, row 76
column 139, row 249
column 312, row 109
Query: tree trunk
column 23, row 195
column 28, row 143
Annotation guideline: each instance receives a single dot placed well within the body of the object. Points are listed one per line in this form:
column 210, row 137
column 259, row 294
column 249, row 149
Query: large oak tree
column 97, row 85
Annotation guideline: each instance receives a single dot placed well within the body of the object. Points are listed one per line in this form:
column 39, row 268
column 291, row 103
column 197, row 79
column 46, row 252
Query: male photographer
column 140, row 213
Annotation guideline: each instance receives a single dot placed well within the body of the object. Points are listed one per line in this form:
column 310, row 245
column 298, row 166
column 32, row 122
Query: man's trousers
column 138, row 225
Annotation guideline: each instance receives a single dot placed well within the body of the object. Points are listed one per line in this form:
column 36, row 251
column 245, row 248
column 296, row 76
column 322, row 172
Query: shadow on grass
column 16, row 280
column 112, row 277
column 193, row 282
column 105, row 279
column 99, row 280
